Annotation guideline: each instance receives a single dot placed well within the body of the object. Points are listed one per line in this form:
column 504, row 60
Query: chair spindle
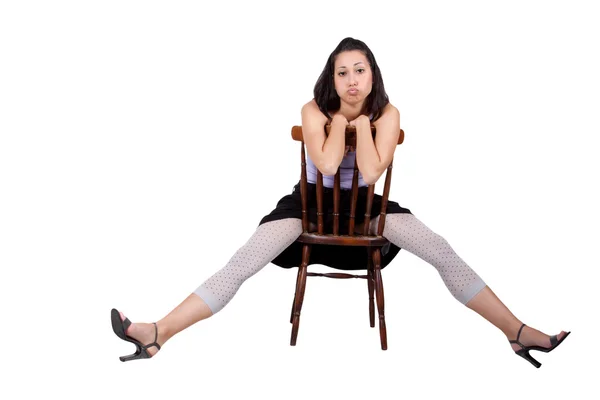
column 354, row 199
column 319, row 202
column 370, row 195
column 336, row 203
column 384, row 199
column 304, row 191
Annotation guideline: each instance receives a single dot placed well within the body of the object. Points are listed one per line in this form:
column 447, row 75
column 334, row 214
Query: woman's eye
column 360, row 70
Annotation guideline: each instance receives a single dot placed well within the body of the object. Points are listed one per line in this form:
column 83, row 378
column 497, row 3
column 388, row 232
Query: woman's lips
column 352, row 91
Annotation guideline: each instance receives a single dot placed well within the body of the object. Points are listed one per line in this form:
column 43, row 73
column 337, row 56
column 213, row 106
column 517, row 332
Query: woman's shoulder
column 388, row 111
column 389, row 107
column 311, row 106
column 312, row 110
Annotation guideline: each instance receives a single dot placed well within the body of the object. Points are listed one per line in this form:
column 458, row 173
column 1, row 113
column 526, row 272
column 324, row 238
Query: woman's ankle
column 511, row 329
column 164, row 332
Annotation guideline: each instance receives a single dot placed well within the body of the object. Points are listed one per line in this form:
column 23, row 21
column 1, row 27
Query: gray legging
column 404, row 230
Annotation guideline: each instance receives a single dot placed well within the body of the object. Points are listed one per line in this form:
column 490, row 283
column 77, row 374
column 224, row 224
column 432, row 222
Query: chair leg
column 379, row 294
column 294, row 303
column 299, row 297
column 371, row 290
column 295, row 295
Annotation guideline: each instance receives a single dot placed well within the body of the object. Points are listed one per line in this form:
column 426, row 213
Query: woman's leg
column 267, row 242
column 407, row 232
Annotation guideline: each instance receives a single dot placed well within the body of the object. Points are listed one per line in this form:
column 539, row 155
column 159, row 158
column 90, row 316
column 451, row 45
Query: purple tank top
column 346, row 171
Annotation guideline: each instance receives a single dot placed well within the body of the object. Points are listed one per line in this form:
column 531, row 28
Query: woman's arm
column 374, row 157
column 326, row 152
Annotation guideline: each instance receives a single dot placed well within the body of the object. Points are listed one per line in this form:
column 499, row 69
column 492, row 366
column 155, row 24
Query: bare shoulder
column 310, row 107
column 311, row 104
column 389, row 113
column 312, row 112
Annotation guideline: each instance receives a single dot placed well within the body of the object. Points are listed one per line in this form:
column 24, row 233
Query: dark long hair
column 327, row 98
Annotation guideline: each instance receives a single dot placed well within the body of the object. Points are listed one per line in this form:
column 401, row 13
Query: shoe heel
column 525, row 354
column 130, row 357
column 138, row 355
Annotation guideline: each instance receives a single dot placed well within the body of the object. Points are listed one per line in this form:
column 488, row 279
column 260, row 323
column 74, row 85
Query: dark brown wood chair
column 372, row 243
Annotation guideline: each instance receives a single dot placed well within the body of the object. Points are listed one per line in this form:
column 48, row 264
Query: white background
column 142, row 142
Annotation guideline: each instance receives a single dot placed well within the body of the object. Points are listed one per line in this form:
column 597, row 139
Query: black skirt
column 338, row 257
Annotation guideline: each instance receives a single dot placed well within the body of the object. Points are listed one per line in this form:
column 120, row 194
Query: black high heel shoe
column 120, row 327
column 524, row 352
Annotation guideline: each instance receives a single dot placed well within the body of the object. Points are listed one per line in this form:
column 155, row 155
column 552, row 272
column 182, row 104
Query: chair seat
column 342, row 240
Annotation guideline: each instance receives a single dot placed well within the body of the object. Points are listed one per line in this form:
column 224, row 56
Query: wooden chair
column 372, row 243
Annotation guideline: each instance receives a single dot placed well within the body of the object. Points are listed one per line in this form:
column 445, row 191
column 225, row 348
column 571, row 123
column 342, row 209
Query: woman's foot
column 532, row 337
column 145, row 334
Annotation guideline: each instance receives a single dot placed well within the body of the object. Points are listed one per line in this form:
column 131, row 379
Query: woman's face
column 352, row 77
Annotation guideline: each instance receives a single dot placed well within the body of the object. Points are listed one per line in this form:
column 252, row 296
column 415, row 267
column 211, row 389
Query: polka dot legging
column 404, row 230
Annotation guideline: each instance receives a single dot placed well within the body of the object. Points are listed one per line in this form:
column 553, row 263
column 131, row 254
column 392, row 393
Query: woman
column 350, row 91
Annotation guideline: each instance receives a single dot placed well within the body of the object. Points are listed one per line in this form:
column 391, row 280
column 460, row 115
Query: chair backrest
column 350, row 141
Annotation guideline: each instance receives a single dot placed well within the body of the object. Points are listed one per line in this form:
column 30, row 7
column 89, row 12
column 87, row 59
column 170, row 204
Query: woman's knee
column 269, row 240
column 282, row 229
column 392, row 222
column 406, row 231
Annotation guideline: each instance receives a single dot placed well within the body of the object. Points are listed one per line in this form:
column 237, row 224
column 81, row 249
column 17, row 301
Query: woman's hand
column 361, row 122
column 339, row 119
